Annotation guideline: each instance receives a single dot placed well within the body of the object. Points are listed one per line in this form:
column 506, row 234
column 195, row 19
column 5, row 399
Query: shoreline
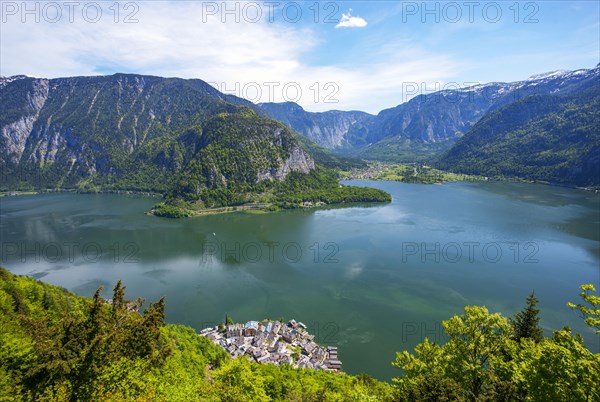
column 377, row 171
column 264, row 207
column 488, row 180
column 17, row 193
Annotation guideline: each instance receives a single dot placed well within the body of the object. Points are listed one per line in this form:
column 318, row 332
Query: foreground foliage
column 489, row 358
column 56, row 346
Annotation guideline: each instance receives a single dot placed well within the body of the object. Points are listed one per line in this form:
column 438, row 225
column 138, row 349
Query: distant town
column 276, row 343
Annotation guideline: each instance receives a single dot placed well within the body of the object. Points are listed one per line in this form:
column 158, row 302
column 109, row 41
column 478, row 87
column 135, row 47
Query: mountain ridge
column 552, row 138
column 92, row 124
column 143, row 132
column 429, row 124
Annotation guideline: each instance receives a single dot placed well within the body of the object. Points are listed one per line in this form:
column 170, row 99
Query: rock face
column 327, row 129
column 18, row 121
column 137, row 131
column 298, row 161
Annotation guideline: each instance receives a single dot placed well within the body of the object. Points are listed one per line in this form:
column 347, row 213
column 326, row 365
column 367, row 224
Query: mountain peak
column 292, row 106
column 550, row 74
column 7, row 80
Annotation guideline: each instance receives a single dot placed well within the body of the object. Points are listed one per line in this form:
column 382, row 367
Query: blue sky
column 365, row 55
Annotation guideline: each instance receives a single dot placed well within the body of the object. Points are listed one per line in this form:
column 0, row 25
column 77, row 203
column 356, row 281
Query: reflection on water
column 371, row 280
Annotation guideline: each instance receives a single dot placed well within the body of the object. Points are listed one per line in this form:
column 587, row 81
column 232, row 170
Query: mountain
column 102, row 129
column 430, row 124
column 327, row 129
column 124, row 131
column 554, row 138
column 186, row 139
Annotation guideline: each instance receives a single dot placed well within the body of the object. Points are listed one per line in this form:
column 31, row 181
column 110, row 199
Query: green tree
column 462, row 368
column 526, row 323
column 238, row 381
column 425, row 375
column 475, row 337
column 118, row 301
column 590, row 313
column 559, row 369
column 98, row 319
column 485, row 361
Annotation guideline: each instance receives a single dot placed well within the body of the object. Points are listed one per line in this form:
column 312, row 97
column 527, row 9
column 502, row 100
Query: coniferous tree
column 526, row 323
column 118, row 300
column 96, row 319
column 118, row 303
column 47, row 301
column 149, row 334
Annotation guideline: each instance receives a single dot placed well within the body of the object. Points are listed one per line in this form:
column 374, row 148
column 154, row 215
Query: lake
column 372, row 280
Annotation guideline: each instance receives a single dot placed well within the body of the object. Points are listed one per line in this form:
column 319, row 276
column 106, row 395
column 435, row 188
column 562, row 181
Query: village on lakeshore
column 274, row 342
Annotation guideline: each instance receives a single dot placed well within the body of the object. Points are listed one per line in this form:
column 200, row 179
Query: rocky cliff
column 327, row 129
column 134, row 131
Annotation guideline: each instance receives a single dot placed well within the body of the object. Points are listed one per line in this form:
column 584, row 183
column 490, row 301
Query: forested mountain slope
column 144, row 133
column 542, row 137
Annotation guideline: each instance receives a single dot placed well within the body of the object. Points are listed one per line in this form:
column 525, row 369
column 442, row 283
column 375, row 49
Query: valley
column 224, row 201
column 407, row 173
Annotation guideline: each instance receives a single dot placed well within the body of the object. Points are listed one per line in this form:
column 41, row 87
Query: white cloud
column 175, row 39
column 348, row 21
